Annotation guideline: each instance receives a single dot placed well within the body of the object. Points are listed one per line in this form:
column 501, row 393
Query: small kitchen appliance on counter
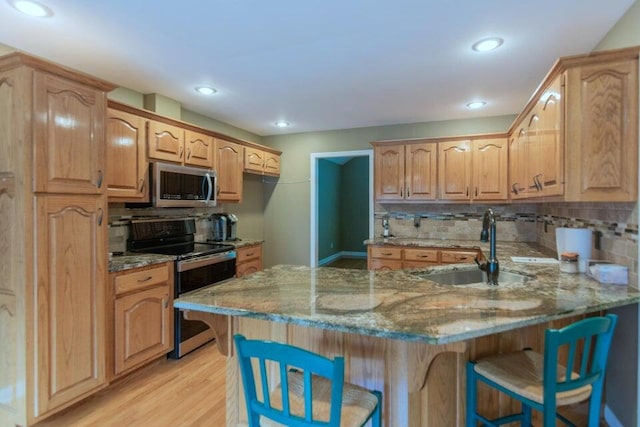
column 224, row 227
column 576, row 240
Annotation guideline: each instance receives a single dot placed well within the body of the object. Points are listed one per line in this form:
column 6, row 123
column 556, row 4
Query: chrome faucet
column 488, row 233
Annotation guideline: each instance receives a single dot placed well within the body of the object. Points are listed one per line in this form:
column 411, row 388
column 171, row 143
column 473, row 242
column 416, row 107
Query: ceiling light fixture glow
column 488, row 44
column 476, row 104
column 31, row 8
column 282, row 124
column 206, row 90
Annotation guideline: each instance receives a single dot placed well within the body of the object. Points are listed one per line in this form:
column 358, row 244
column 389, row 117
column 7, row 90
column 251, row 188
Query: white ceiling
column 319, row 64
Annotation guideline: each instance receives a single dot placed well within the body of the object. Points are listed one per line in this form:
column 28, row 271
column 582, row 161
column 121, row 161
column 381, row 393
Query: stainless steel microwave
column 182, row 186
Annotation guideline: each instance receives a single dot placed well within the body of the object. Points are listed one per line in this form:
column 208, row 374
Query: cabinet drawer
column 452, row 257
column 141, row 279
column 247, row 253
column 386, row 252
column 427, row 255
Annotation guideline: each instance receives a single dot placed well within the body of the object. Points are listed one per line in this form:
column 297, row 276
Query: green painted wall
column 329, row 213
column 625, row 33
column 4, row 49
column 290, row 197
column 354, row 204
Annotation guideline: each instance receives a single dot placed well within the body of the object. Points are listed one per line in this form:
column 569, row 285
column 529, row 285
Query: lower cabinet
column 249, row 260
column 390, row 257
column 142, row 316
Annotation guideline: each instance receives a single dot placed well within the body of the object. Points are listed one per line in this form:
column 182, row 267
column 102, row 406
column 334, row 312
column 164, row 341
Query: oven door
column 192, row 275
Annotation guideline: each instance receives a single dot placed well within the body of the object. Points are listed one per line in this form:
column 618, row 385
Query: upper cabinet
column 199, row 149
column 69, row 149
column 229, row 165
column 602, row 130
column 473, row 169
column 261, row 162
column 166, row 142
column 127, row 167
column 405, row 172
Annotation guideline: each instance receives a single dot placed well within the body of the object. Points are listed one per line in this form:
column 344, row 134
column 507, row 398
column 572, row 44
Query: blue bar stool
column 310, row 392
column 540, row 382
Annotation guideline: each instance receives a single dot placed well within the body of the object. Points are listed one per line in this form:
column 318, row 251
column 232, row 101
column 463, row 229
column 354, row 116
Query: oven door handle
column 207, row 176
column 190, row 264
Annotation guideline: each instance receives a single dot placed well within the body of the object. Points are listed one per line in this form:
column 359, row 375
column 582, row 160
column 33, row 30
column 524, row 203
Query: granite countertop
column 133, row 260
column 402, row 305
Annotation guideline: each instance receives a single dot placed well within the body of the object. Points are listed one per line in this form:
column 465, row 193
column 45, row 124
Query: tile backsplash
column 615, row 225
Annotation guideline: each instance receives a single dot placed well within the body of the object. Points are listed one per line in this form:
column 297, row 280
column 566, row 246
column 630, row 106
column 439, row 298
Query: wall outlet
column 331, row 245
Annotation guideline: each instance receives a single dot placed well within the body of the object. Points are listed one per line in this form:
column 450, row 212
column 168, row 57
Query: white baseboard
column 611, row 418
column 342, row 254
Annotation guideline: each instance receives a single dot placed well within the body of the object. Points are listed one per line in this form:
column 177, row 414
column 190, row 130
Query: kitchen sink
column 466, row 277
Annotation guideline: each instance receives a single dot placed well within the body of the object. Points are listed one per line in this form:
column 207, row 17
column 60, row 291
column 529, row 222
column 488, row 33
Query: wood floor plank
column 189, row 392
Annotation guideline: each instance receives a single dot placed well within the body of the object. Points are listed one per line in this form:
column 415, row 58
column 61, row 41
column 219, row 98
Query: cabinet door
column 143, row 327
column 127, row 166
column 490, row 169
column 389, row 172
column 229, row 161
column 248, row 267
column 271, row 164
column 552, row 140
column 253, row 160
column 420, row 173
column 602, row 132
column 68, row 136
column 166, row 142
column 518, row 163
column 69, row 299
column 199, row 149
column 534, row 156
column 454, row 161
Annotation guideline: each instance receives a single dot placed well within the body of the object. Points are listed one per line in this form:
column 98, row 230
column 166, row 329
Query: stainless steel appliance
column 232, row 227
column 182, row 186
column 197, row 265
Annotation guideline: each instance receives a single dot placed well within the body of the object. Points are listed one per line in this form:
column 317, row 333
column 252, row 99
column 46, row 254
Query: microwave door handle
column 210, row 190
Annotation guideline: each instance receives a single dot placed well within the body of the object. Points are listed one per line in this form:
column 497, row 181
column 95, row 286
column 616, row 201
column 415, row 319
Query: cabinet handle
column 514, row 188
column 476, row 191
column 100, row 178
column 402, row 192
column 146, row 279
column 181, row 151
column 386, row 254
column 7, row 183
column 467, row 191
column 142, row 184
column 536, row 182
column 188, row 153
column 249, row 253
column 408, row 193
column 166, row 301
column 423, row 256
column 100, row 216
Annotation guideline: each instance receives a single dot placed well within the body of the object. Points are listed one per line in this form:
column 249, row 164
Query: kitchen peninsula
column 399, row 332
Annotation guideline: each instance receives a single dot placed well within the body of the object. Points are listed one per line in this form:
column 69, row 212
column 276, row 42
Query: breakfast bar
column 400, row 332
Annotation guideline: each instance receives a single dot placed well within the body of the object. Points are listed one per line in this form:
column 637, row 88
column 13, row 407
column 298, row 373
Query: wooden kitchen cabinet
column 229, row 158
column 601, row 128
column 165, row 142
column 473, row 169
column 248, row 260
column 405, row 172
column 392, row 257
column 143, row 316
column 261, row 162
column 199, row 149
column 70, row 298
column 68, row 135
column 127, row 166
column 54, row 267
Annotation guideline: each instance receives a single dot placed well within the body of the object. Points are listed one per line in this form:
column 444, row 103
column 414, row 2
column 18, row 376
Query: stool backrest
column 587, row 343
column 286, row 358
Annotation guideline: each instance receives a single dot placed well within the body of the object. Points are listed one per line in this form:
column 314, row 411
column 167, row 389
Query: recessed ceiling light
column 476, row 104
column 282, row 124
column 31, row 8
column 487, row 44
column 206, row 90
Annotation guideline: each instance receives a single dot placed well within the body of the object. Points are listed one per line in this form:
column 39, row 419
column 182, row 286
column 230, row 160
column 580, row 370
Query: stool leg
column 594, row 405
column 376, row 419
column 471, row 395
column 526, row 415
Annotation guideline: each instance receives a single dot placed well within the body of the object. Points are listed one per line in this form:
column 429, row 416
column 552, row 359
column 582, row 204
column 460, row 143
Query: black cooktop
column 170, row 237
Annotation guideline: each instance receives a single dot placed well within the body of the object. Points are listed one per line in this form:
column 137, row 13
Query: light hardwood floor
column 189, row 392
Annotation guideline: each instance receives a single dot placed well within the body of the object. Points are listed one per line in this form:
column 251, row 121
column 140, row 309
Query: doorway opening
column 341, row 205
